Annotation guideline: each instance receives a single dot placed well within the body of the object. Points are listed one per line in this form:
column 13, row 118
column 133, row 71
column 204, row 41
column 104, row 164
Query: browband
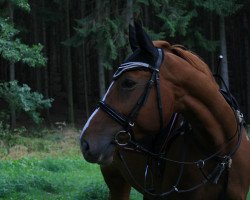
column 129, row 66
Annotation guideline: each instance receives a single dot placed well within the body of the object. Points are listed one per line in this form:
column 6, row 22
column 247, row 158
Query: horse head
column 131, row 100
column 155, row 85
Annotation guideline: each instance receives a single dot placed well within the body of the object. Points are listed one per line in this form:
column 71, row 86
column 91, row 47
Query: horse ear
column 132, row 38
column 145, row 43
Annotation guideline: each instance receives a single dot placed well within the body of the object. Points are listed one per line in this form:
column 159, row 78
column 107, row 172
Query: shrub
column 23, row 99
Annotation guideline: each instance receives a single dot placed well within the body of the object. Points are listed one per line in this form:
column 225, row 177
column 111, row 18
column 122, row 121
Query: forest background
column 60, row 54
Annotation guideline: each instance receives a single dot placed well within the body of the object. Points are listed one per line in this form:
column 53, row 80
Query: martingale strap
column 212, row 177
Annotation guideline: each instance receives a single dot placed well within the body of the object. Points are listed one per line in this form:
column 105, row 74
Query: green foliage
column 13, row 50
column 4, row 116
column 145, row 2
column 112, row 39
column 7, row 31
column 22, row 98
column 23, row 4
column 176, row 21
column 177, row 18
column 5, row 132
column 209, row 45
column 197, row 39
column 155, row 36
column 220, row 7
column 109, row 34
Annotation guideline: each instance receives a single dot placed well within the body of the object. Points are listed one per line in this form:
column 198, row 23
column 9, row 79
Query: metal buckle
column 200, row 164
column 122, row 138
column 131, row 124
column 175, row 189
column 239, row 115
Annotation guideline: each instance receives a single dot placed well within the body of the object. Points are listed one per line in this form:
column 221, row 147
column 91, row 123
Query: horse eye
column 128, row 84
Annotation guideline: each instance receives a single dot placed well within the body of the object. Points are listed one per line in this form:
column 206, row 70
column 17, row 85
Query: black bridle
column 128, row 122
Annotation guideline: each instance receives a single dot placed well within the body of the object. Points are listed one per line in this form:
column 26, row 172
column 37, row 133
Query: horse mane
column 192, row 58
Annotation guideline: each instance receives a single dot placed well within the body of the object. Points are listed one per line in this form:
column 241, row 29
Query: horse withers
column 165, row 128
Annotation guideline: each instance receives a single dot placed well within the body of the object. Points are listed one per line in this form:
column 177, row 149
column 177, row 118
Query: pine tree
column 221, row 8
column 13, row 50
column 108, row 29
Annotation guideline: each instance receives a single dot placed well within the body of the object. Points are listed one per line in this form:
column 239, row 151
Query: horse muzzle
column 87, row 154
column 100, row 154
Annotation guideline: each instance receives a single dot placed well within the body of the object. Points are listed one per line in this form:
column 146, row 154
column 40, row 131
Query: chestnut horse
column 165, row 128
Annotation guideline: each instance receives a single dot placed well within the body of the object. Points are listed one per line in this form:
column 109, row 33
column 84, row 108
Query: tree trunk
column 90, row 78
column 247, row 63
column 12, row 107
column 85, row 78
column 223, row 46
column 101, row 72
column 53, row 51
column 147, row 17
column 45, row 69
column 211, row 29
column 84, row 66
column 129, row 13
column 36, row 40
column 12, row 73
column 100, row 53
column 69, row 68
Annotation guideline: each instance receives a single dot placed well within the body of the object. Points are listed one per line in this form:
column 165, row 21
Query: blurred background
column 58, row 56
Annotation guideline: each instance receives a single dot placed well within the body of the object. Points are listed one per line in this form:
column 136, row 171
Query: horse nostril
column 84, row 145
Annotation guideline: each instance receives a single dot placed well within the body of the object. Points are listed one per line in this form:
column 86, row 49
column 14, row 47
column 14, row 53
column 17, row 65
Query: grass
column 50, row 167
column 51, row 178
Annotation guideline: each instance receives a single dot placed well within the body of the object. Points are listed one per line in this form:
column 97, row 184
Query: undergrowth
column 51, row 178
column 49, row 166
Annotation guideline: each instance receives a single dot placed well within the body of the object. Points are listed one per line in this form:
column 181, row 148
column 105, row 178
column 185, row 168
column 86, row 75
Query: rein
column 128, row 122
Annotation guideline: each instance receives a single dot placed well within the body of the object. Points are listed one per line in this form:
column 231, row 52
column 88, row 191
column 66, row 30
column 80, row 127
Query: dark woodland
column 83, row 42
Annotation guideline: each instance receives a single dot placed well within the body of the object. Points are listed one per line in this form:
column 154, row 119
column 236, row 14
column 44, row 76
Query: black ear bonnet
column 145, row 55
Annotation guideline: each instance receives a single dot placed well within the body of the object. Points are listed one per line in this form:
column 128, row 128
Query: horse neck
column 198, row 98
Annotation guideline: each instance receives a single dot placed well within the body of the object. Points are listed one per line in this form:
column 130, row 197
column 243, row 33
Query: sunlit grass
column 50, row 178
column 49, row 167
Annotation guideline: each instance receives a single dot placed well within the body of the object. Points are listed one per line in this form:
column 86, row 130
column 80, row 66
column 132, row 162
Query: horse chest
column 142, row 174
